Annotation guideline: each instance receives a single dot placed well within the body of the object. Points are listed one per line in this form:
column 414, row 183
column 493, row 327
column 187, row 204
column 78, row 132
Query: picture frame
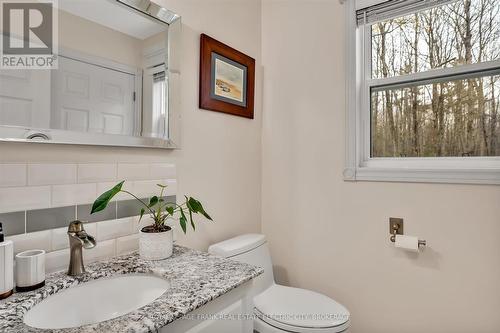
column 227, row 79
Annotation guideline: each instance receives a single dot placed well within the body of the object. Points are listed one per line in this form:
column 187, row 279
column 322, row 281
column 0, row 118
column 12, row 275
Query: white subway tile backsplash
column 60, row 239
column 163, row 171
column 127, row 244
column 51, row 174
column 129, row 171
column 91, row 229
column 12, row 175
column 115, row 228
column 147, row 188
column 66, row 195
column 171, row 187
column 145, row 221
column 137, row 223
column 14, row 199
column 102, row 250
column 56, row 261
column 40, row 240
column 65, row 185
column 96, row 172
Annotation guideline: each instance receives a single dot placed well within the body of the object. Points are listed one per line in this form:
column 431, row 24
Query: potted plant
column 156, row 239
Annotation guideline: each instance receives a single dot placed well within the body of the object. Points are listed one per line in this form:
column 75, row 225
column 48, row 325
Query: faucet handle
column 76, row 227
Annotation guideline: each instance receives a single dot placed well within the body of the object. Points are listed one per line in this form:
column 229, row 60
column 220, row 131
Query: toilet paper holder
column 396, row 228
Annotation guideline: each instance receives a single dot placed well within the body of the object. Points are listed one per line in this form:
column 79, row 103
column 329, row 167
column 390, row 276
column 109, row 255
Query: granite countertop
column 196, row 278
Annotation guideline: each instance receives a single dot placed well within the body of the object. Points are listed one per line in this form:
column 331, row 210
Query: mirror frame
column 174, row 25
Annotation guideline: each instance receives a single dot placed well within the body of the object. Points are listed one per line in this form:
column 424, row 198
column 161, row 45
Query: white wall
column 79, row 34
column 220, row 158
column 332, row 236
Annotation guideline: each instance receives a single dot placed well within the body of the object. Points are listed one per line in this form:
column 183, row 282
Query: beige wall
column 332, row 236
column 325, row 234
column 220, row 159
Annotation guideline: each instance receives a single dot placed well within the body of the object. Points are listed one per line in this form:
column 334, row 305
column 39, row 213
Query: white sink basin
column 96, row 301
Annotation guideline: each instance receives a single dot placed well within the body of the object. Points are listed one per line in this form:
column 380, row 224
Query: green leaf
column 170, row 210
column 191, row 219
column 142, row 214
column 182, row 221
column 162, row 186
column 190, row 208
column 102, row 201
column 197, row 207
column 153, row 201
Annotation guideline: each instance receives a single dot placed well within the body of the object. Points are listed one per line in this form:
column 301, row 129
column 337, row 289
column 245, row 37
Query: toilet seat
column 300, row 310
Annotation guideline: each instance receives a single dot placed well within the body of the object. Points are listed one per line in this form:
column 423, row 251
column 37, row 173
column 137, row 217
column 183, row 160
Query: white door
column 92, row 98
column 25, row 98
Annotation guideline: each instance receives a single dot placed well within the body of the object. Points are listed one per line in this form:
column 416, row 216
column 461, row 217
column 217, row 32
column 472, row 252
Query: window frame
column 359, row 165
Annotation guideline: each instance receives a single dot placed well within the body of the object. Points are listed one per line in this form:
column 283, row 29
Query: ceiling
column 115, row 16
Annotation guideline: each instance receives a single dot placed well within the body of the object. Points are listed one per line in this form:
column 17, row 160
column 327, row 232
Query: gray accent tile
column 51, row 218
column 13, row 223
column 83, row 213
column 171, row 198
column 128, row 208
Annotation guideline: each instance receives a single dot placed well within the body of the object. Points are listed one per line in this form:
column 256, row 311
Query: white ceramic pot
column 156, row 245
column 30, row 270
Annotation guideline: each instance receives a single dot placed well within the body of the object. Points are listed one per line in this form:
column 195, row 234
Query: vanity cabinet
column 229, row 313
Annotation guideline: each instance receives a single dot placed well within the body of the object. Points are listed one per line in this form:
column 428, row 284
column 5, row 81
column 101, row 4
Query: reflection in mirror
column 112, row 82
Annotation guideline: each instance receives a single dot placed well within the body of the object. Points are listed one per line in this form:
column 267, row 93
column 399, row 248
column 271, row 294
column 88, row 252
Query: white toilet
column 278, row 308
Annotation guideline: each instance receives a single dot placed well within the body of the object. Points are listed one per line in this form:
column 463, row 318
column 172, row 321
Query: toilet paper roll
column 409, row 243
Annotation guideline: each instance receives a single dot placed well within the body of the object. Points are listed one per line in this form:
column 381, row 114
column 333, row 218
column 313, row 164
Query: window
column 155, row 90
column 160, row 119
column 425, row 103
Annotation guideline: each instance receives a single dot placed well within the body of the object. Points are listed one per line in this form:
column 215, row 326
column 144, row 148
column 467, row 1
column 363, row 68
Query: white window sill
column 422, row 175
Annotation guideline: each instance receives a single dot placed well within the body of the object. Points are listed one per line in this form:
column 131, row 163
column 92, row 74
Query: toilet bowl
column 279, row 308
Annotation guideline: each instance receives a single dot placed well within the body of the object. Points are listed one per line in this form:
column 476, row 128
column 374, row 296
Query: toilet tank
column 251, row 249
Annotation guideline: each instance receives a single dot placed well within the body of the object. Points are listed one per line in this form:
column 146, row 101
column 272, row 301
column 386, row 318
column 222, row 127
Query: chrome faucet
column 78, row 239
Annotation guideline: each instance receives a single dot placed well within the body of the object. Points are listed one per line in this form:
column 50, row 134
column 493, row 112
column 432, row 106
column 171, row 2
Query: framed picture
column 227, row 79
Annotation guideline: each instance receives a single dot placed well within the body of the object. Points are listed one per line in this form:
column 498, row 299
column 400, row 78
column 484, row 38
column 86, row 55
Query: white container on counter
column 6, row 266
column 30, row 270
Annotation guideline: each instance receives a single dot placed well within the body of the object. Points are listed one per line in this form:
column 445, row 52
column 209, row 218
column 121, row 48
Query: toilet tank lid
column 237, row 245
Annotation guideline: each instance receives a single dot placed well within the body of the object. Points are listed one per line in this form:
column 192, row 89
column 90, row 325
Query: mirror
column 116, row 83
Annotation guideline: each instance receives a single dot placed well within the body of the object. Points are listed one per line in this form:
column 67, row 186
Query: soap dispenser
column 6, row 266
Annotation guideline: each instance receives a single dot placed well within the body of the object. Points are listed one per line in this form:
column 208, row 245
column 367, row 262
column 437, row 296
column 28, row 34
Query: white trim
column 446, row 74
column 18, row 134
column 97, row 60
column 138, row 102
column 359, row 166
column 174, row 94
column 450, row 176
column 155, row 55
column 386, row 10
column 360, row 4
column 351, row 87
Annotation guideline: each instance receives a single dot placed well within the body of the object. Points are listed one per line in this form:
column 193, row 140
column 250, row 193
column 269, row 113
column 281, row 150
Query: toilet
column 278, row 308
